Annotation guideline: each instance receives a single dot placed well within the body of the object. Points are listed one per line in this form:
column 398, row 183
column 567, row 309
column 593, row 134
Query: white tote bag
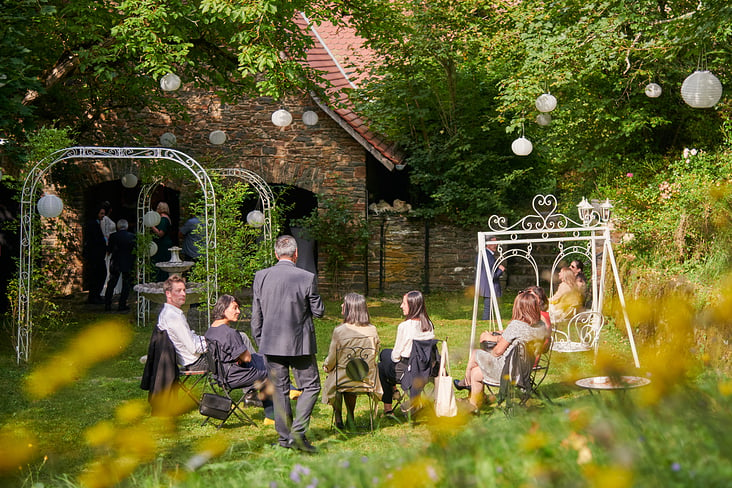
column 445, row 405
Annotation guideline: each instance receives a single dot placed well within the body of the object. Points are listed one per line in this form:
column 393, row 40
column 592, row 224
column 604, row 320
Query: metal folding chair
column 190, row 380
column 356, row 373
column 219, row 385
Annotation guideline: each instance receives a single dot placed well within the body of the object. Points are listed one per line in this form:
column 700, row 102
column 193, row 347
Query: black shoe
column 302, row 444
column 252, row 400
column 460, row 385
column 339, row 425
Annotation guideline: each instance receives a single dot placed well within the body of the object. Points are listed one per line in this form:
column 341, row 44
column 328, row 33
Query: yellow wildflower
column 16, row 449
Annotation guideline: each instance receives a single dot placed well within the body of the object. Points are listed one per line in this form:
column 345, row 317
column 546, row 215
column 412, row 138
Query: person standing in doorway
column 285, row 300
column 490, row 278
column 120, row 248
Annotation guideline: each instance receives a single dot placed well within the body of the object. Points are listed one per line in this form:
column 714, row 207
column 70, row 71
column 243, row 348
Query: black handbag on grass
column 216, row 406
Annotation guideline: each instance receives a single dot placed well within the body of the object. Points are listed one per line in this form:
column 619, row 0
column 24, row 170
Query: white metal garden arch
column 545, row 226
column 143, row 205
column 27, row 206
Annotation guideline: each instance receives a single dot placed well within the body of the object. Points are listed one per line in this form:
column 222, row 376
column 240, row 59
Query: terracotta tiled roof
column 340, row 54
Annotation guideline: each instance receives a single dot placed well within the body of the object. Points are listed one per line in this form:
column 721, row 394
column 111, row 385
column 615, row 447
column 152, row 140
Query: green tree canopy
column 457, row 82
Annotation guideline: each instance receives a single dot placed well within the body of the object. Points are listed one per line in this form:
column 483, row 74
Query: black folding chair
column 519, row 376
column 355, row 373
column 190, row 380
column 423, row 366
column 220, row 386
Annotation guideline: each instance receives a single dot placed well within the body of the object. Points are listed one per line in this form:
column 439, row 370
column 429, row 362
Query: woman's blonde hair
column 162, row 208
column 526, row 308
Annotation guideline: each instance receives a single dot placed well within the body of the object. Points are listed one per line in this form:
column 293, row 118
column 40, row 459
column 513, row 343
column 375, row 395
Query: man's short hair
column 122, row 224
column 285, row 246
column 174, row 278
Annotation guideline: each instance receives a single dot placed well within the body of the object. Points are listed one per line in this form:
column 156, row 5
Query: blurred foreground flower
column 608, row 476
column 421, row 473
column 16, row 449
column 97, row 343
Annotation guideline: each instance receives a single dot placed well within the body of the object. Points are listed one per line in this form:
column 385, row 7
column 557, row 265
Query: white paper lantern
column 152, row 250
column 168, row 139
column 543, row 119
column 653, row 90
column 281, row 118
column 701, row 89
column 151, row 219
column 129, row 180
column 50, row 206
column 255, row 218
column 309, row 118
column 170, row 82
column 217, row 137
column 546, row 103
column 522, row 146
column 1, row 174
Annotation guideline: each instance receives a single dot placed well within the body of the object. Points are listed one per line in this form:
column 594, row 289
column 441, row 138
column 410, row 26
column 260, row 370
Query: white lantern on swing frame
column 152, row 249
column 151, row 219
column 701, row 89
column 168, row 139
column 50, row 206
column 546, row 102
column 522, row 146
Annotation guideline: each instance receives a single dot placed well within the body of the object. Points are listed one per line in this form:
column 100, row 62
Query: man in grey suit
column 285, row 300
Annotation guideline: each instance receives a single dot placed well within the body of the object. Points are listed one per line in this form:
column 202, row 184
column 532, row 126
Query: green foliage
column 240, row 251
column 340, row 236
column 75, row 60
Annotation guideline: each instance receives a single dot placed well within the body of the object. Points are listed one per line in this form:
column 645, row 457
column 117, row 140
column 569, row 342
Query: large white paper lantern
column 151, row 219
column 653, row 90
column 170, row 82
column 255, row 218
column 522, row 146
column 543, row 119
column 309, row 118
column 281, row 118
column 129, row 180
column 168, row 139
column 50, row 206
column 546, row 103
column 701, row 89
column 152, row 249
column 217, row 137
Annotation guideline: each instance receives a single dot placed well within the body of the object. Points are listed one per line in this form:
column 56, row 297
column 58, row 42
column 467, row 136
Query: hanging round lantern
column 170, row 82
column 653, row 90
column 152, row 249
column 309, row 118
column 522, row 146
column 129, row 180
column 255, row 218
column 217, row 137
column 151, row 219
column 543, row 119
column 50, row 206
column 281, row 118
column 701, row 89
column 546, row 103
column 1, row 174
column 168, row 139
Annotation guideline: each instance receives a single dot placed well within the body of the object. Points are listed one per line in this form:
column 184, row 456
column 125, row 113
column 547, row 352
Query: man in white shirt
column 189, row 347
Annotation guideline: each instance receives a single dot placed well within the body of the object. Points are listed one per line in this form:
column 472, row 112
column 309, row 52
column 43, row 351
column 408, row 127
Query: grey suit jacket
column 285, row 301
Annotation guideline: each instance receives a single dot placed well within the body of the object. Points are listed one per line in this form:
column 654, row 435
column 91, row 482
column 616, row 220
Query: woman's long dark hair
column 417, row 310
column 222, row 304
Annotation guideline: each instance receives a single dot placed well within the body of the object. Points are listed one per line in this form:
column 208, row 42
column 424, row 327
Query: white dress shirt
column 408, row 331
column 188, row 345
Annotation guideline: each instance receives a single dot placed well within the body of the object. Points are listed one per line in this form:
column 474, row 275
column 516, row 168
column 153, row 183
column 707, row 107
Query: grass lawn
column 673, row 433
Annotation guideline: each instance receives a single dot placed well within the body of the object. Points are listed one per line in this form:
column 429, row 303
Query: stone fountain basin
column 175, row 266
column 154, row 292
